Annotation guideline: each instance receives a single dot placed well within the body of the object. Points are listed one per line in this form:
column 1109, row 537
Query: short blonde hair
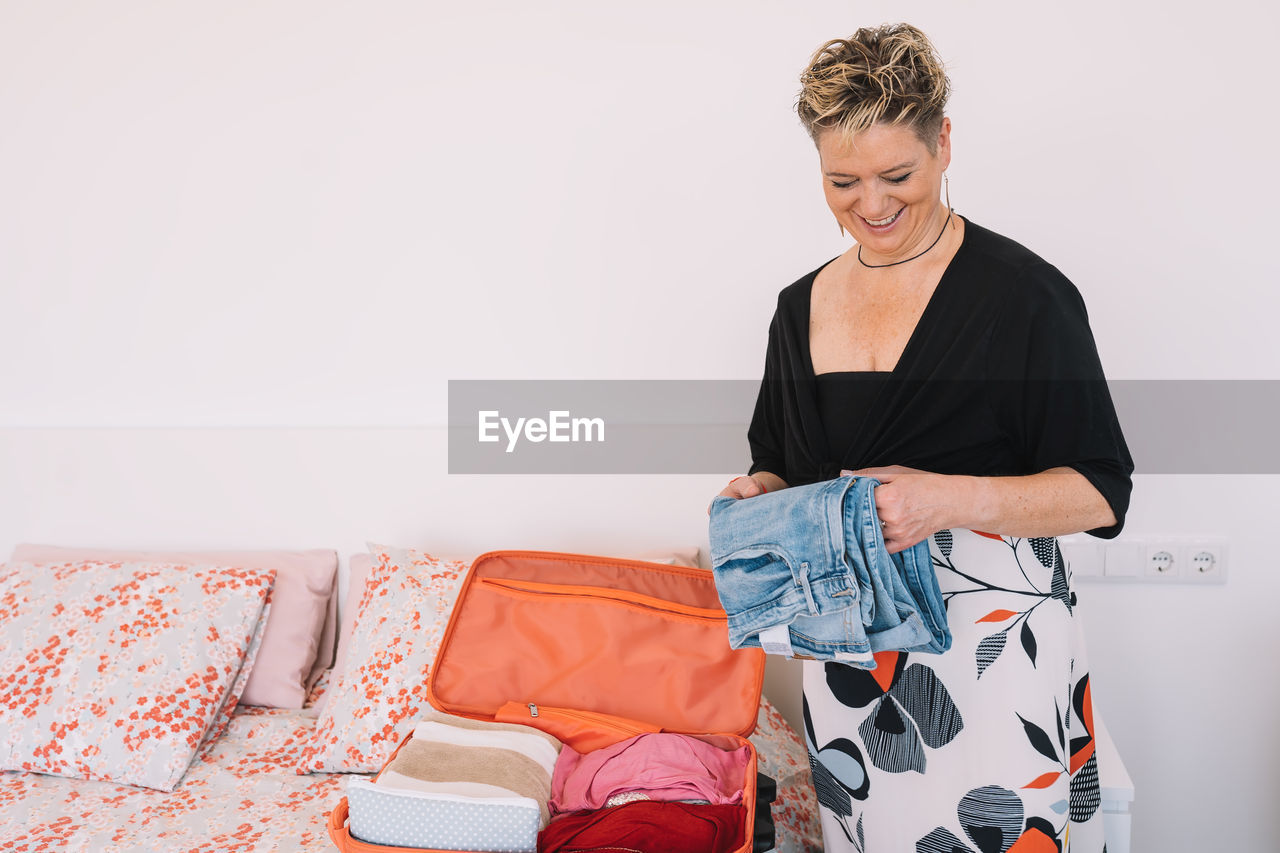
column 889, row 74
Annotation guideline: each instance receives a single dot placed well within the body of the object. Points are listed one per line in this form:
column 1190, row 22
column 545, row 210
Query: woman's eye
column 900, row 178
column 841, row 186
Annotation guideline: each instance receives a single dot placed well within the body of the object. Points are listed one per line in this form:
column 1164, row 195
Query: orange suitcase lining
column 604, row 649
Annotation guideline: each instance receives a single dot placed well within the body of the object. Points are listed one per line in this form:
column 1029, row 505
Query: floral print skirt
column 986, row 748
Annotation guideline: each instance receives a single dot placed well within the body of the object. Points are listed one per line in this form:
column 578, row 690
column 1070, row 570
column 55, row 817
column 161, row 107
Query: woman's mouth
column 883, row 224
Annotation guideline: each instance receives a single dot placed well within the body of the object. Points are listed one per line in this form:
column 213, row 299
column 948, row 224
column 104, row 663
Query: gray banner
column 699, row 426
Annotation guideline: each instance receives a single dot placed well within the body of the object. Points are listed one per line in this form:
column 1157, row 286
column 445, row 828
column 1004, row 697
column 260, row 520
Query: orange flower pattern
column 240, row 795
column 782, row 756
column 121, row 672
column 397, row 631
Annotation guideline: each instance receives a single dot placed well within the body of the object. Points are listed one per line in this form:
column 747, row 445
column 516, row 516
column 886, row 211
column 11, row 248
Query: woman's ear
column 944, row 143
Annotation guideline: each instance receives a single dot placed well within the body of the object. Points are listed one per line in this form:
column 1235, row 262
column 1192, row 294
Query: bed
column 264, row 777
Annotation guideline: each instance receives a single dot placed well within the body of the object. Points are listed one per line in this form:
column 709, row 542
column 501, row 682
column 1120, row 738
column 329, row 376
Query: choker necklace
column 913, row 257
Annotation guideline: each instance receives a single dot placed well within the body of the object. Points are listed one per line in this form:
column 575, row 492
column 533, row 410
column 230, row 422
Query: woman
column 957, row 368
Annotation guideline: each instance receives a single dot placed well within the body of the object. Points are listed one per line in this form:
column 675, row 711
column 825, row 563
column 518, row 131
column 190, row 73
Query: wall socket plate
column 1154, row 559
column 1083, row 555
column 1205, row 560
column 1163, row 559
column 1123, row 559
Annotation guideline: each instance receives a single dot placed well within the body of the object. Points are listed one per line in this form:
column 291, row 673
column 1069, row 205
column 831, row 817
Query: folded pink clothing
column 666, row 767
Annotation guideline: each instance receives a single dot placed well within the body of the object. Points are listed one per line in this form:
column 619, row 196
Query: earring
column 946, row 182
column 841, row 224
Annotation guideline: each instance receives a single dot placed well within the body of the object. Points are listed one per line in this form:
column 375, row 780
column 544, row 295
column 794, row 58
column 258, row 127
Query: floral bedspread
column 781, row 754
column 242, row 794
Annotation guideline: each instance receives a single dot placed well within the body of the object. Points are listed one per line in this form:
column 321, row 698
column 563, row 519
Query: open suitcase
column 592, row 650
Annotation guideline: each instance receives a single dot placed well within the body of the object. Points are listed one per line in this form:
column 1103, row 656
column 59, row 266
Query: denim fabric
column 813, row 558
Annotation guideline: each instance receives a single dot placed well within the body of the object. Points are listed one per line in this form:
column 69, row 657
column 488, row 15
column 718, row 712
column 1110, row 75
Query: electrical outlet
column 1206, row 560
column 1160, row 559
column 1163, row 559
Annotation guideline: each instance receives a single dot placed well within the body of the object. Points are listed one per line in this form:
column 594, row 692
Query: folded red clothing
column 649, row 826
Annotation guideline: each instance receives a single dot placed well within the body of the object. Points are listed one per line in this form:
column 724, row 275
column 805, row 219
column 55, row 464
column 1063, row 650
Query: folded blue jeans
column 804, row 572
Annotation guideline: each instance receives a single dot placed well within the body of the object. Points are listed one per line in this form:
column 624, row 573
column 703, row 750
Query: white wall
column 228, row 232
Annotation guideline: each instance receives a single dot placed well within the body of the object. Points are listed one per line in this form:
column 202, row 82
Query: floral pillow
column 121, row 671
column 373, row 703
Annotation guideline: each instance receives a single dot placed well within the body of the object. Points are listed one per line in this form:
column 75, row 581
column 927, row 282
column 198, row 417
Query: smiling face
column 883, row 187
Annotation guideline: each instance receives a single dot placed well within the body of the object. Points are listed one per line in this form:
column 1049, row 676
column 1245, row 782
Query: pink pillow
column 296, row 647
column 358, row 568
column 690, row 556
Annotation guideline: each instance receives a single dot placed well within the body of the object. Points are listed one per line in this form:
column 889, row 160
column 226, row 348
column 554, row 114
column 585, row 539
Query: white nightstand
column 1117, row 790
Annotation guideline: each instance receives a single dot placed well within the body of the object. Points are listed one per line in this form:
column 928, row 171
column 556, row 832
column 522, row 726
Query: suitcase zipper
column 605, row 594
column 617, row 723
column 572, row 722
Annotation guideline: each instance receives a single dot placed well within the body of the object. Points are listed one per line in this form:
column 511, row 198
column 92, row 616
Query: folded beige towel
column 471, row 758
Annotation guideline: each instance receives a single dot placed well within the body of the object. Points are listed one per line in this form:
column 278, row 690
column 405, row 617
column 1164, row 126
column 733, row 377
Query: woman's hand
column 750, row 485
column 742, row 487
column 912, row 504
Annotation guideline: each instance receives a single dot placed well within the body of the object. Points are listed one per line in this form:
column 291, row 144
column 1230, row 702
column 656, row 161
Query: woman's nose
column 874, row 204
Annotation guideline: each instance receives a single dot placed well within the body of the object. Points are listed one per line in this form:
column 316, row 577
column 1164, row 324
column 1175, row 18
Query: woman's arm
column 913, row 504
column 1056, row 502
